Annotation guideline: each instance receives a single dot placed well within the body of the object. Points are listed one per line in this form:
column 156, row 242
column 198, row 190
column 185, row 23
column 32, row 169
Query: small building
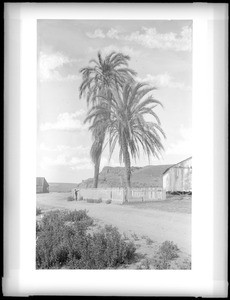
column 178, row 178
column 42, row 185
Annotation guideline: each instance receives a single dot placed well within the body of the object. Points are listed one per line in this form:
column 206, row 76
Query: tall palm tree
column 100, row 79
column 127, row 124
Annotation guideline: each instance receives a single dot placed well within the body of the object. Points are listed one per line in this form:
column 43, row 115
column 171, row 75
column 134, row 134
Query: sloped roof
column 177, row 164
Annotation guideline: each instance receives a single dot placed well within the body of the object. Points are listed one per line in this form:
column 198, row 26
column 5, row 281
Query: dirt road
column 157, row 225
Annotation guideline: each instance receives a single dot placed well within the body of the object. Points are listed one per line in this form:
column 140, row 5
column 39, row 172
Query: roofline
column 44, row 180
column 176, row 164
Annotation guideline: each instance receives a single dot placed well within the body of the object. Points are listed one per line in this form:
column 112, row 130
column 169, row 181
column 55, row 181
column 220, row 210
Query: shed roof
column 176, row 164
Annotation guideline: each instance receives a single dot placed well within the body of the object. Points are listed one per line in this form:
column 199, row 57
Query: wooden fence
column 120, row 195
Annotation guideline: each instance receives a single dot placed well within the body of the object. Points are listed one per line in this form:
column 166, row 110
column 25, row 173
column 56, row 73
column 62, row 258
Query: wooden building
column 42, row 185
column 178, row 178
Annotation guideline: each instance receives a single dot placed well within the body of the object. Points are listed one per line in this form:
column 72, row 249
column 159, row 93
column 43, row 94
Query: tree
column 127, row 125
column 100, row 79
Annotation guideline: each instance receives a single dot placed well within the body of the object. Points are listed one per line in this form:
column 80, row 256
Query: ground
column 147, row 224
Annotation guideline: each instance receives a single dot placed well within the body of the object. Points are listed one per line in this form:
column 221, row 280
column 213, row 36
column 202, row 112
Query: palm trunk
column 97, row 162
column 96, row 173
column 127, row 171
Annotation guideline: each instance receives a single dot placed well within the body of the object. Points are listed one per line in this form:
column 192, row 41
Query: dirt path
column 157, row 225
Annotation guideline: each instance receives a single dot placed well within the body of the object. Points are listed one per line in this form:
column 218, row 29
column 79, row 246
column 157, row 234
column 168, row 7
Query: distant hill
column 149, row 176
column 61, row 187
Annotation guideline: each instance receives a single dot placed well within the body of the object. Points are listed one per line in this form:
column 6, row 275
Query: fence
column 120, row 195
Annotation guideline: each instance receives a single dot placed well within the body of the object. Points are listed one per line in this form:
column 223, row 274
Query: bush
column 110, row 249
column 149, row 241
column 90, row 200
column 98, row 200
column 70, row 198
column 108, row 201
column 168, row 250
column 38, row 211
column 80, row 198
column 94, row 200
column 166, row 253
column 186, row 264
column 63, row 242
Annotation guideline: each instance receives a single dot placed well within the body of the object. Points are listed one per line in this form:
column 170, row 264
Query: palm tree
column 127, row 124
column 100, row 79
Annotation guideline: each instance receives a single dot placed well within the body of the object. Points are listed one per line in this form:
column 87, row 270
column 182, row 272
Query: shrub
column 75, row 215
column 63, row 242
column 70, row 198
column 135, row 237
column 166, row 253
column 98, row 200
column 161, row 264
column 94, row 200
column 149, row 241
column 80, row 198
column 108, row 201
column 168, row 250
column 38, row 211
column 110, row 249
column 90, row 200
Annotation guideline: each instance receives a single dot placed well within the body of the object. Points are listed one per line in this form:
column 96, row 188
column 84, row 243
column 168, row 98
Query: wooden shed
column 178, row 178
column 42, row 185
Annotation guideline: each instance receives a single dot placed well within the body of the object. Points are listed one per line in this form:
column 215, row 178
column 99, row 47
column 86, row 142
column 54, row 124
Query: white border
column 20, row 276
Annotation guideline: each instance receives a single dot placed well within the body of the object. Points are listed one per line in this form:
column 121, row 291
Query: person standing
column 76, row 192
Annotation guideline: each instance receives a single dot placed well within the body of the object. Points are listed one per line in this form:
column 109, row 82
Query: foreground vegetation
column 63, row 241
column 71, row 240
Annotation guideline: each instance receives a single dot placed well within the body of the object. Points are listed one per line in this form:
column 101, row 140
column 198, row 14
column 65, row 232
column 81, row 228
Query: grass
column 166, row 257
column 175, row 203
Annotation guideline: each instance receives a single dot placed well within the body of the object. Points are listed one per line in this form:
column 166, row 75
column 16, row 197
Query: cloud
column 150, row 38
column 64, row 148
column 70, row 157
column 98, row 33
column 50, row 66
column 163, row 80
column 65, row 121
column 108, row 49
column 184, row 145
column 113, row 33
column 62, row 160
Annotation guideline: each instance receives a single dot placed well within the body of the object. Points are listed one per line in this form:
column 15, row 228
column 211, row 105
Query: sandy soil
column 142, row 225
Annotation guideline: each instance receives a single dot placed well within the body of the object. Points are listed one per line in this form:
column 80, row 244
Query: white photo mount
column 208, row 276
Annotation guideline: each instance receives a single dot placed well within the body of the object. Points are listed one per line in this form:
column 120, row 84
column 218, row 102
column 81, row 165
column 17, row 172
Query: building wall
column 45, row 189
column 179, row 177
column 39, row 189
column 42, row 188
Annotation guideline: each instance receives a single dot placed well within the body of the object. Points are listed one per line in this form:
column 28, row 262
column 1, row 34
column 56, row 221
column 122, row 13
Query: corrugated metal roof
column 177, row 164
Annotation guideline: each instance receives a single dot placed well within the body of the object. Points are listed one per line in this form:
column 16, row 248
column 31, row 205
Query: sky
column 161, row 54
